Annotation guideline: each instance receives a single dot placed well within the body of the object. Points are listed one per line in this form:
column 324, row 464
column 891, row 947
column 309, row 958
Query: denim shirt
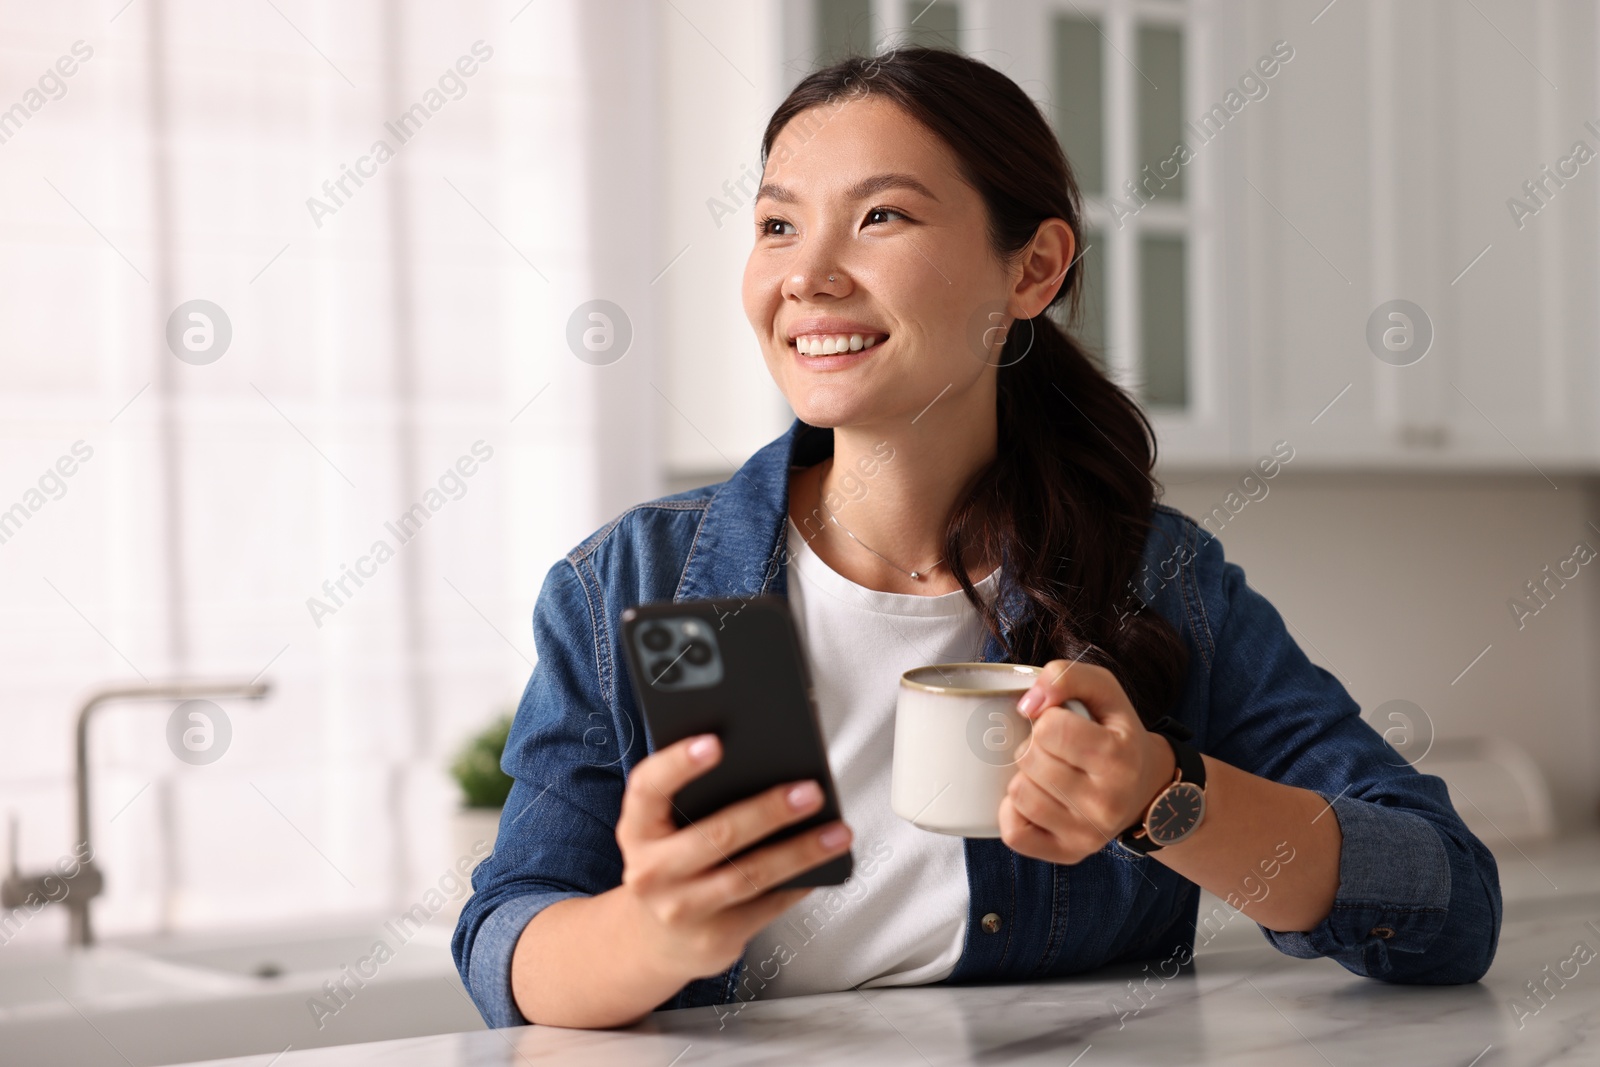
column 1418, row 898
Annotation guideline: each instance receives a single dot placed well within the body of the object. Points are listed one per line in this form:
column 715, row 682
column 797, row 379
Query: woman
column 960, row 483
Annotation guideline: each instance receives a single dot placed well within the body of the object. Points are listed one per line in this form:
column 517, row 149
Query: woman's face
column 864, row 193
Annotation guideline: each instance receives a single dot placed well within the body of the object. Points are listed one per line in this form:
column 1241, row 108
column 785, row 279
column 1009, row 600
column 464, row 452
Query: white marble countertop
column 1243, row 1003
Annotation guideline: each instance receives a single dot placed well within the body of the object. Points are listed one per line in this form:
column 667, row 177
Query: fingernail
column 804, row 795
column 1030, row 702
column 701, row 748
column 834, row 836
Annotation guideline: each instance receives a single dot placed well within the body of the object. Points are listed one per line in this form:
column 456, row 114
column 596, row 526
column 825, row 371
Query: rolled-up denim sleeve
column 557, row 835
column 1419, row 895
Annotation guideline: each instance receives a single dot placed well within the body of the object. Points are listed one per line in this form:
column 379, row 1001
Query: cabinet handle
column 1424, row 435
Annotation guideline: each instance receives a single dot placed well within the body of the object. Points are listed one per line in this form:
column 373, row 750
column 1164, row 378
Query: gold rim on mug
column 1026, row 675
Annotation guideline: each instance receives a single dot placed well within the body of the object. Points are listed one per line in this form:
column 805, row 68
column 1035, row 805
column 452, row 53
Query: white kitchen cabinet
column 1382, row 170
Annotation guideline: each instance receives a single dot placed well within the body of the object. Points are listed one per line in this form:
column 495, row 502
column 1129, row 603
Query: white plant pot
column 472, row 835
column 468, row 827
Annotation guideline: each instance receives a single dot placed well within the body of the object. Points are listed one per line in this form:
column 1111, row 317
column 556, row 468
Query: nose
column 815, row 279
column 816, row 270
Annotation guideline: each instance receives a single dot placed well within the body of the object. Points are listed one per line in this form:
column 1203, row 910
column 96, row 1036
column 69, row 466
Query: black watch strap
column 1190, row 765
column 1172, row 728
column 1191, row 768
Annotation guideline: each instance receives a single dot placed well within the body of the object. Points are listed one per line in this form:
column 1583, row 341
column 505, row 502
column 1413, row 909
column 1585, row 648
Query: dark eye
column 882, row 211
column 770, row 219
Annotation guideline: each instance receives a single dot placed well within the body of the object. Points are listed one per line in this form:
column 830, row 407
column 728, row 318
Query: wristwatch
column 1177, row 810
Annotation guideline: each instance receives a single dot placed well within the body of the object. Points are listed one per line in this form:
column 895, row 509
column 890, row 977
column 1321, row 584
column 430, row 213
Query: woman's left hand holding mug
column 1082, row 781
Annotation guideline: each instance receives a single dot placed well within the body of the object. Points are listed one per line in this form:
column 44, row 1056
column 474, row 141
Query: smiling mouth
column 812, row 346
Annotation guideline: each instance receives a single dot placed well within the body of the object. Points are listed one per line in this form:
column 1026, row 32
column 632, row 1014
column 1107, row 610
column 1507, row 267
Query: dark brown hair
column 1070, row 494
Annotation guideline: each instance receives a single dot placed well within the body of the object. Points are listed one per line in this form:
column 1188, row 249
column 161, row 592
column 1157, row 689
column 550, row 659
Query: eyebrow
column 859, row 191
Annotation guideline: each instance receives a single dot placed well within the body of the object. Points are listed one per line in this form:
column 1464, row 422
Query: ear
column 1045, row 262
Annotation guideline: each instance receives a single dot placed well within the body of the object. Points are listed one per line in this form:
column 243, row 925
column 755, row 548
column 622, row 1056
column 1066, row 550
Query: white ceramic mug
column 957, row 739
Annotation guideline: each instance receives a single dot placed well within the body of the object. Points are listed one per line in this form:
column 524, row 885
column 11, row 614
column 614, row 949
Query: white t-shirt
column 901, row 917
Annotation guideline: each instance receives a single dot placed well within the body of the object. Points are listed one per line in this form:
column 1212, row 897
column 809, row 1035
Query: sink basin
column 319, row 956
column 39, row 984
column 178, row 999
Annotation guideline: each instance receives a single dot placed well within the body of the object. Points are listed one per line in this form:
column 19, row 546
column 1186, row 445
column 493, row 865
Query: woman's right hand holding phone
column 697, row 909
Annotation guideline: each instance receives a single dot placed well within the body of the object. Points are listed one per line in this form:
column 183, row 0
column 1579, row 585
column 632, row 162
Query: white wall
column 1395, row 582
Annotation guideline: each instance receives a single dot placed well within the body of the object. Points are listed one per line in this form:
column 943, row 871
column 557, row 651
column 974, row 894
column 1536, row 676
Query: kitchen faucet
column 87, row 881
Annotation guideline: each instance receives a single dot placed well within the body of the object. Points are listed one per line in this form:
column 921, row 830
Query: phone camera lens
column 657, row 638
column 665, row 671
column 697, row 652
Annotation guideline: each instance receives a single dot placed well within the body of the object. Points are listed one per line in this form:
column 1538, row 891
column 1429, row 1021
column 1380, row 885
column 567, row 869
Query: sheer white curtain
column 388, row 335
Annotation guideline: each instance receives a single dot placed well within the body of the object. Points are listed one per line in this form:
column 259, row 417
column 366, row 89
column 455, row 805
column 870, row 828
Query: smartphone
column 733, row 667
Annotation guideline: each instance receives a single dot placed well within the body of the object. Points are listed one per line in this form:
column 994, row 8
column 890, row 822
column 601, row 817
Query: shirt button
column 1384, row 932
column 991, row 923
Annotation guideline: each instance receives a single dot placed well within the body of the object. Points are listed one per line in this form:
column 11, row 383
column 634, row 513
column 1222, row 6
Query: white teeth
column 821, row 345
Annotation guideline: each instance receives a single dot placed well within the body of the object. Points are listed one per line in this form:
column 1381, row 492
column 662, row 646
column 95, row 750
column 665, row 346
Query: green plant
column 477, row 766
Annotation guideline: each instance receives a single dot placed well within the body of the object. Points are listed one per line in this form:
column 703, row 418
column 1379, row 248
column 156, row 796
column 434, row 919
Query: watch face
column 1176, row 813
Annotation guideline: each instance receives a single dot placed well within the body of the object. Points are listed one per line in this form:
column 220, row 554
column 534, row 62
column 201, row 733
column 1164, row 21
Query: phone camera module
column 678, row 653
